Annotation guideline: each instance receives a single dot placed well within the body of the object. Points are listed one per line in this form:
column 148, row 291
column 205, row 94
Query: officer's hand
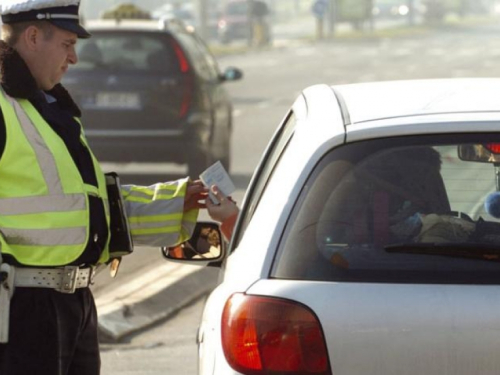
column 224, row 210
column 196, row 193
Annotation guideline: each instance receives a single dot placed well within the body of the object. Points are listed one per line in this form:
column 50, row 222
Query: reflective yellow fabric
column 44, row 212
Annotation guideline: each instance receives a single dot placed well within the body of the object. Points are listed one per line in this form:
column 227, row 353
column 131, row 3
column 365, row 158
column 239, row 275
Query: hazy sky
column 93, row 8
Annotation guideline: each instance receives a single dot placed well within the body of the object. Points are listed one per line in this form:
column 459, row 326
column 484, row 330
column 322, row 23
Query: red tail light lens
column 493, row 147
column 181, row 57
column 187, row 89
column 264, row 335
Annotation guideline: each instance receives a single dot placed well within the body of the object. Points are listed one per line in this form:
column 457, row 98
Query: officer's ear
column 31, row 37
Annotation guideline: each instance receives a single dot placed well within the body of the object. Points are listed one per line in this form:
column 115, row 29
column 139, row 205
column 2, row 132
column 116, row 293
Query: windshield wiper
column 468, row 250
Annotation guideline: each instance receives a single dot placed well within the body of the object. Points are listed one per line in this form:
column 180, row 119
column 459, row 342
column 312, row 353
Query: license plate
column 118, row 100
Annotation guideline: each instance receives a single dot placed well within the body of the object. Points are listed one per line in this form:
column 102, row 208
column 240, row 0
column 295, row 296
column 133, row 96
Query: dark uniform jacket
column 18, row 82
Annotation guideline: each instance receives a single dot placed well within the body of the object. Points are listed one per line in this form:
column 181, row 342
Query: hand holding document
column 216, row 175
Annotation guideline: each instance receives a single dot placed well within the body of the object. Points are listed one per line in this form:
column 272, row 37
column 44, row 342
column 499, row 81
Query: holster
column 120, row 243
column 7, row 273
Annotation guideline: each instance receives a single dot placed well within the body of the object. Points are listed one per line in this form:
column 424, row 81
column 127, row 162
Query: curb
column 151, row 298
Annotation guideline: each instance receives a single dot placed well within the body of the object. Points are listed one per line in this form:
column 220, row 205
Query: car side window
column 263, row 173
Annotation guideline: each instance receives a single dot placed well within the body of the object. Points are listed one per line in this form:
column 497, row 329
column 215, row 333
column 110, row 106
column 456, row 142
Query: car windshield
column 397, row 210
column 125, row 52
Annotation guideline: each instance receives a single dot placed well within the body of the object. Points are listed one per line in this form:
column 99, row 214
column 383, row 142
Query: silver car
column 369, row 238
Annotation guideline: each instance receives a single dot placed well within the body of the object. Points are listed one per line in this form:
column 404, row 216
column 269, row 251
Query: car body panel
column 421, row 125
column 374, row 328
column 385, row 100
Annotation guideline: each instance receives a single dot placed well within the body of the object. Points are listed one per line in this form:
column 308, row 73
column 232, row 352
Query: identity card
column 216, row 175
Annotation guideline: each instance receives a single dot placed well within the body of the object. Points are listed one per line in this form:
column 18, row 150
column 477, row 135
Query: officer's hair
column 12, row 32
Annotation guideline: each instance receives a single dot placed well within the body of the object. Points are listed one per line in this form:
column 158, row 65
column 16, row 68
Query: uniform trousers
column 51, row 333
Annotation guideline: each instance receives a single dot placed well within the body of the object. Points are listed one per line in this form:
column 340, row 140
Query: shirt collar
column 49, row 98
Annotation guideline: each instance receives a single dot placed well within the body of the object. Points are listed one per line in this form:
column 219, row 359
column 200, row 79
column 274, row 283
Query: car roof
column 374, row 101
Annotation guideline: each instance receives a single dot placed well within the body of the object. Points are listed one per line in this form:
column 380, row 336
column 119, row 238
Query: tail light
column 264, row 335
column 494, row 148
column 187, row 89
column 181, row 57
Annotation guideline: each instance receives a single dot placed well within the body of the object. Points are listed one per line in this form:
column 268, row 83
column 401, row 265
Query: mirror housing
column 232, row 74
column 206, row 245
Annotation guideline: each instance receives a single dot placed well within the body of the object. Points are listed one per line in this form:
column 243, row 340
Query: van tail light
column 264, row 335
column 187, row 87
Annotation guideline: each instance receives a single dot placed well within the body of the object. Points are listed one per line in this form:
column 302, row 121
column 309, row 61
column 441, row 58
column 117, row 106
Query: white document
column 216, row 175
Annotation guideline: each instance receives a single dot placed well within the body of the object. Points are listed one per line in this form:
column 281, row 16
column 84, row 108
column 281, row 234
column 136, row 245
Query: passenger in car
column 377, row 198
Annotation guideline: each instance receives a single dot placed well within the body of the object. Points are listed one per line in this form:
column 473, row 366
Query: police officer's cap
column 61, row 13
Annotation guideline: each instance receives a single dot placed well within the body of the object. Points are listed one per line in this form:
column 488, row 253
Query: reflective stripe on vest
column 45, row 237
column 153, row 220
column 45, row 223
column 35, row 205
column 43, row 154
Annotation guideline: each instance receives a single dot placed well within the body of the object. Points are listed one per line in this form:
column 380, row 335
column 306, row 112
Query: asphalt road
column 273, row 79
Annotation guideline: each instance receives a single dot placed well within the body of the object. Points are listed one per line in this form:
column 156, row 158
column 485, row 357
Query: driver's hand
column 224, row 210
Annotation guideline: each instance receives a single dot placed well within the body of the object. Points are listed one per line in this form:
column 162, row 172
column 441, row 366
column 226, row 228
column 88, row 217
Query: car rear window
column 398, row 210
column 126, row 52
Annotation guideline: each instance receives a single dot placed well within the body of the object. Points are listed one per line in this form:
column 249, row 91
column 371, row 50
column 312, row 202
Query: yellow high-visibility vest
column 44, row 203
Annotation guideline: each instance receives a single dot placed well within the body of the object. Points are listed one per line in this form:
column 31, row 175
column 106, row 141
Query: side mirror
column 232, row 74
column 206, row 245
column 482, row 153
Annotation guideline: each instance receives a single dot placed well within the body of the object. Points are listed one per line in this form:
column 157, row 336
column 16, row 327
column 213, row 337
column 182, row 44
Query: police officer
column 54, row 210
